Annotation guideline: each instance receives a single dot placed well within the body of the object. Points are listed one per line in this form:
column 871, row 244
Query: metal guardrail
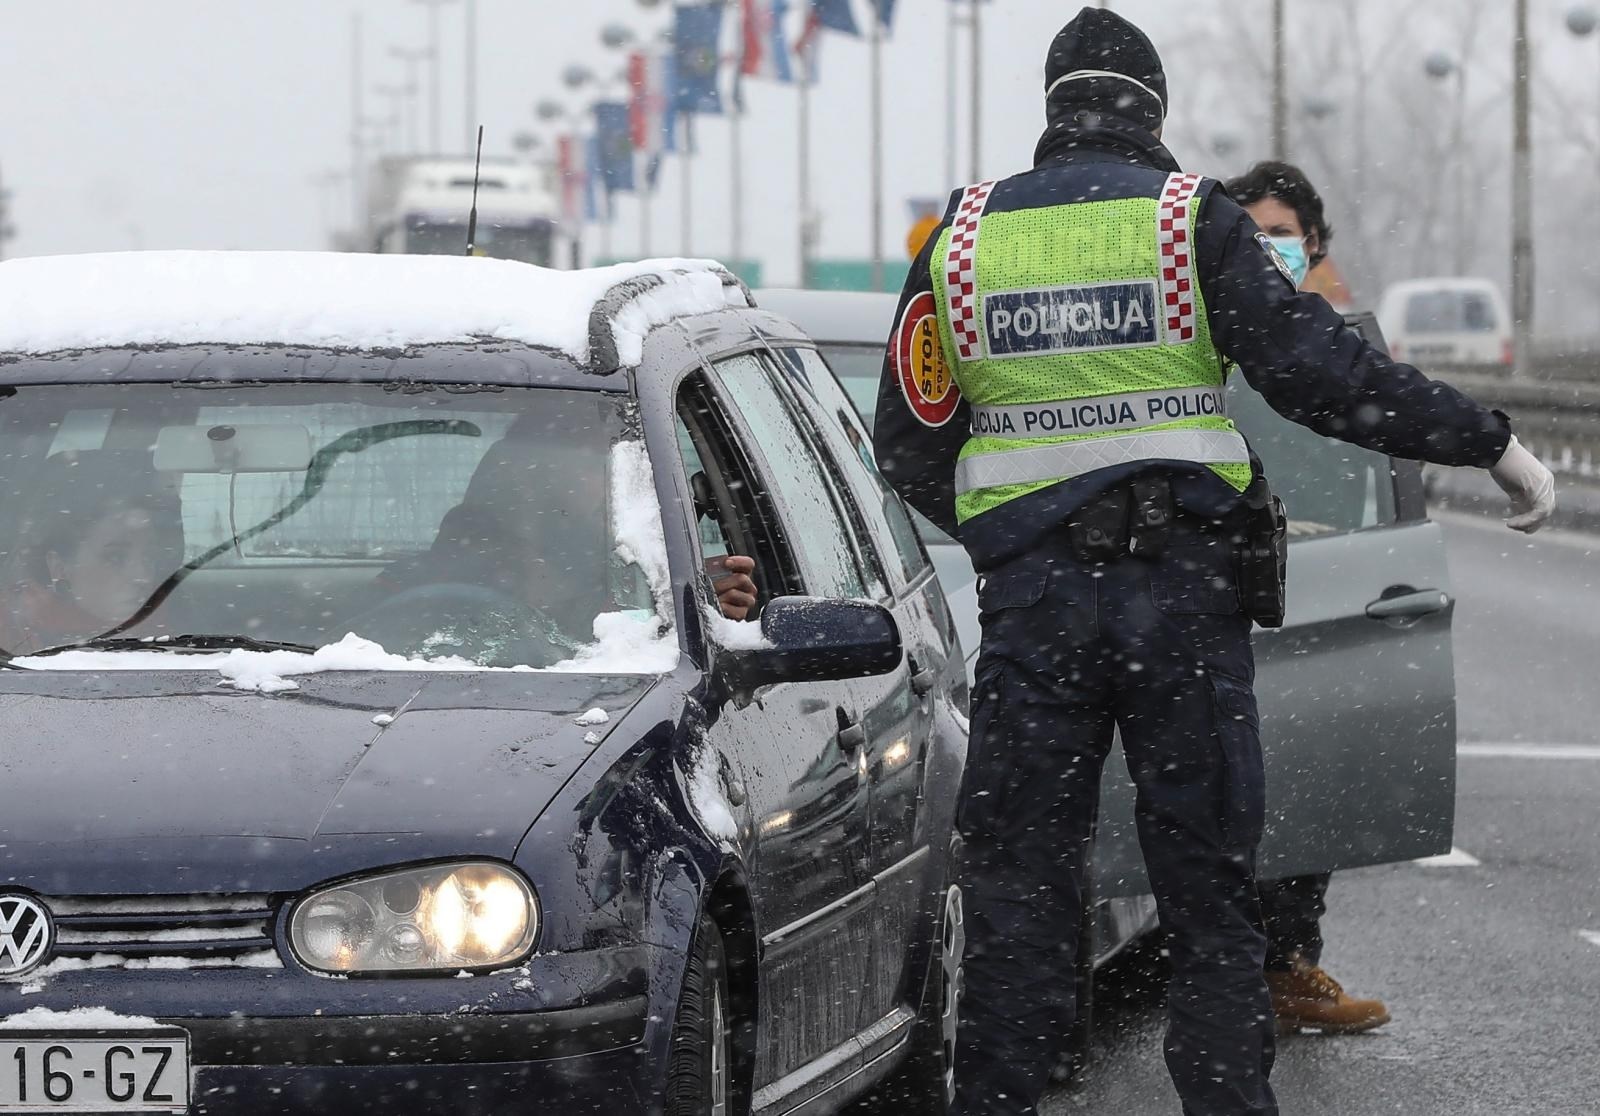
column 1559, row 420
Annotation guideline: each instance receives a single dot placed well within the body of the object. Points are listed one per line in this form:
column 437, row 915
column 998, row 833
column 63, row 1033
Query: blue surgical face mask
column 1293, row 251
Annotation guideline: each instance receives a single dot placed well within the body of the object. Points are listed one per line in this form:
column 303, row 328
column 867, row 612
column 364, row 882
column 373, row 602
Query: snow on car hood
column 161, row 782
column 332, row 300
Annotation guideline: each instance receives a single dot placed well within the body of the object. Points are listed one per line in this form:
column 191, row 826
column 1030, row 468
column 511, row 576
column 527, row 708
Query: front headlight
column 440, row 918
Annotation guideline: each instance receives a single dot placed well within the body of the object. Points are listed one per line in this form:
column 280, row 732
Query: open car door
column 1357, row 689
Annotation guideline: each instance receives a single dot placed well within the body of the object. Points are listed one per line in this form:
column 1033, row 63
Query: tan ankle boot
column 1307, row 999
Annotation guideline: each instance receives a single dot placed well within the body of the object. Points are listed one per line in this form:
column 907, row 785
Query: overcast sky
column 225, row 123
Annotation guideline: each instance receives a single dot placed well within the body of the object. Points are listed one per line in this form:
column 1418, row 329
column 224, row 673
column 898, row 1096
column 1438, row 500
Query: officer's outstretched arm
column 921, row 421
column 1295, row 349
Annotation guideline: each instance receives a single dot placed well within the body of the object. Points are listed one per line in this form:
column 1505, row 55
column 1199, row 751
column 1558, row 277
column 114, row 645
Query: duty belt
column 1071, row 459
column 1097, row 414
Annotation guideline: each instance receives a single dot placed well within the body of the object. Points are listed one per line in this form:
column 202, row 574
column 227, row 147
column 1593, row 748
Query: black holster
column 1135, row 519
column 1264, row 557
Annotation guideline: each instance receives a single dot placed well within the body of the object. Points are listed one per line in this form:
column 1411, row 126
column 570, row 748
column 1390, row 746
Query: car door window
column 732, row 512
column 797, row 478
column 1327, row 486
column 848, row 436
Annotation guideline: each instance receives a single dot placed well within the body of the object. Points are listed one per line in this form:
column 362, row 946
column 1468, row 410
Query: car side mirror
column 815, row 639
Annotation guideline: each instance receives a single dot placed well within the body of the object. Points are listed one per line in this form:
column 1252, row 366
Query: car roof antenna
column 472, row 217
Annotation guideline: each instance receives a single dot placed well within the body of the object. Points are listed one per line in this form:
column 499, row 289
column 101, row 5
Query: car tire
column 926, row 1084
column 699, row 1063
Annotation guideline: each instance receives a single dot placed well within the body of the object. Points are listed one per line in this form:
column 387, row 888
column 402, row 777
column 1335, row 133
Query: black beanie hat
column 1105, row 64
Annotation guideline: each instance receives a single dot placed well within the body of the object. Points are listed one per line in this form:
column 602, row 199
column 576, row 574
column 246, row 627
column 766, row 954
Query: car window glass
column 714, row 541
column 849, row 435
column 1326, row 486
column 1449, row 312
column 804, row 491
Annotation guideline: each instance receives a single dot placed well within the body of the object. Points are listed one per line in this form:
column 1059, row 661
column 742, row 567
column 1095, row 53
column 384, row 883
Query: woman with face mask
column 1282, row 201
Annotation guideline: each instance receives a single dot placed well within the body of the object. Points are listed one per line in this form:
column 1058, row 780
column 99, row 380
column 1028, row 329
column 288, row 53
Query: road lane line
column 1496, row 750
column 1590, row 936
column 1455, row 858
column 1561, row 536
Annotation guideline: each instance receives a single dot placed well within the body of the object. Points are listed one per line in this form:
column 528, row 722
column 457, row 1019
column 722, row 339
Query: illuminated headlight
column 441, row 918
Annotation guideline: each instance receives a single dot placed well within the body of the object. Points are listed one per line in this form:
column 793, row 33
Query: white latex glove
column 1530, row 485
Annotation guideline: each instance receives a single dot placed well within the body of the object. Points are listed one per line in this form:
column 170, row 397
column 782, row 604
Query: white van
column 1432, row 322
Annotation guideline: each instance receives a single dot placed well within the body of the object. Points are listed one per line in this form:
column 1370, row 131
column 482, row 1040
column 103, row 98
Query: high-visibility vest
column 1077, row 334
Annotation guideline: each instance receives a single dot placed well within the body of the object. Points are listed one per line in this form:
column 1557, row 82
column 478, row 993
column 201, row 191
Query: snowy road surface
column 1491, row 969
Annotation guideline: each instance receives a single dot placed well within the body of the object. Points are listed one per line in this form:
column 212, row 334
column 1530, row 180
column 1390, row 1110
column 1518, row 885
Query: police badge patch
column 925, row 376
column 1276, row 257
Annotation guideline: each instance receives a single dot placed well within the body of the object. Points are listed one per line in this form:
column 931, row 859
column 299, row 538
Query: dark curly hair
column 1288, row 184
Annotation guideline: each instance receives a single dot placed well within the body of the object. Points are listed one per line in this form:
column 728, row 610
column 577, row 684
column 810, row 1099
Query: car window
column 859, row 368
column 1327, row 486
column 732, row 512
column 806, row 492
column 849, row 436
column 1449, row 312
column 478, row 525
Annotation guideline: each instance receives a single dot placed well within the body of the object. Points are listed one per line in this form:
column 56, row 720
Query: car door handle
column 922, row 679
column 1412, row 605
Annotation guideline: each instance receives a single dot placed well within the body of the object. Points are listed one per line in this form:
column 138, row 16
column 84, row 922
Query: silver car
column 1357, row 689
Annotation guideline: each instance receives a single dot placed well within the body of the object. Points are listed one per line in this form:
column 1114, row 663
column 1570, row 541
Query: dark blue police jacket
column 1293, row 348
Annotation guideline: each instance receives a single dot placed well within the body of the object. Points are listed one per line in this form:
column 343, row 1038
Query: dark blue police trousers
column 1071, row 650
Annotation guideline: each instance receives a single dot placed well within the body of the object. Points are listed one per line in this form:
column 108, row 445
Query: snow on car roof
column 336, row 300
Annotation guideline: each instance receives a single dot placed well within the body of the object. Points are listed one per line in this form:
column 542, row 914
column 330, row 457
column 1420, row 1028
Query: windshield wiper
column 178, row 643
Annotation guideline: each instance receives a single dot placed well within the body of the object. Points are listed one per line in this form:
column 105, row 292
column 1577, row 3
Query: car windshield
column 455, row 524
column 1449, row 312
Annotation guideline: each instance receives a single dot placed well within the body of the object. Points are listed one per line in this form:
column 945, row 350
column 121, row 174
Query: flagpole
column 644, row 218
column 877, row 149
column 950, row 107
column 977, row 90
column 736, row 160
column 805, row 165
column 687, row 160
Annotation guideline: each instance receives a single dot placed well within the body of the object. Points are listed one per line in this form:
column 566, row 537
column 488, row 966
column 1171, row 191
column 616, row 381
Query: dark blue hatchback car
column 376, row 740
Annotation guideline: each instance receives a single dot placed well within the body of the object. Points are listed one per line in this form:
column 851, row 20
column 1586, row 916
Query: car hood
column 162, row 782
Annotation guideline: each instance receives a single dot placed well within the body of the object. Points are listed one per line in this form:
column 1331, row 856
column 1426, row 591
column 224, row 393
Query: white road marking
column 1590, row 936
column 1455, row 858
column 1495, row 750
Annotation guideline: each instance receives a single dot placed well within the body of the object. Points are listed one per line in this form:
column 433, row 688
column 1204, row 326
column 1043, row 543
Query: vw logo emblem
column 26, row 934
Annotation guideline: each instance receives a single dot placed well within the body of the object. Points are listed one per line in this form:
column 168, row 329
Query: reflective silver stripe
column 1072, row 459
column 1098, row 413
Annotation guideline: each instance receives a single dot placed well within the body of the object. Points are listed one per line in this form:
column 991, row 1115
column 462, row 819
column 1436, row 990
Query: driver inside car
column 98, row 534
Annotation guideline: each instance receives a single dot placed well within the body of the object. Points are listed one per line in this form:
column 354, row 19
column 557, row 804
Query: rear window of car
column 476, row 524
column 1450, row 312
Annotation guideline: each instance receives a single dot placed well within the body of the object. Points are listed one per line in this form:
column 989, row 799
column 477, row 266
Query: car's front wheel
column 699, row 1073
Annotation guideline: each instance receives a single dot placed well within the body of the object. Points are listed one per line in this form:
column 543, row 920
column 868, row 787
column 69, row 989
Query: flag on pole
column 765, row 51
column 611, row 125
column 696, row 33
column 648, row 108
column 835, row 15
column 885, row 12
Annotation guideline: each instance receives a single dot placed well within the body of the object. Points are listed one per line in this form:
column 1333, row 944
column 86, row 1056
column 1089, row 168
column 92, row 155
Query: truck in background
column 418, row 205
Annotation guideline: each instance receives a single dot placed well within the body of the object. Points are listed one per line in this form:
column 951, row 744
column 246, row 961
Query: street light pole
column 877, row 151
column 358, row 201
column 434, row 143
column 1280, row 85
column 977, row 91
column 1522, row 256
column 470, row 59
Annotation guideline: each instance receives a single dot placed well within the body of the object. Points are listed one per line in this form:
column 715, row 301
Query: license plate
column 94, row 1071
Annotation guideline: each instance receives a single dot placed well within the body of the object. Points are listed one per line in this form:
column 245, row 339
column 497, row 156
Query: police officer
column 1053, row 395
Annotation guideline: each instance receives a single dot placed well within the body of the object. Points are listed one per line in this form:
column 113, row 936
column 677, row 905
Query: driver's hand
column 736, row 589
